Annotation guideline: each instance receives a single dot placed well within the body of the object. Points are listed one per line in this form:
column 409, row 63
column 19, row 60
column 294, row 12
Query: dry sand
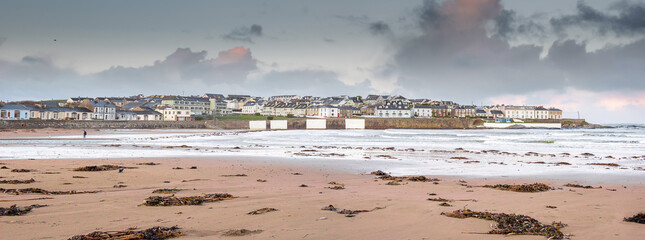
column 589, row 213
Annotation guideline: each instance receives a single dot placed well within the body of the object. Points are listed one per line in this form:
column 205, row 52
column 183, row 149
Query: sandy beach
column 401, row 211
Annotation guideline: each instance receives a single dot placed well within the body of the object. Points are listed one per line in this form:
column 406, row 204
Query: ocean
column 618, row 151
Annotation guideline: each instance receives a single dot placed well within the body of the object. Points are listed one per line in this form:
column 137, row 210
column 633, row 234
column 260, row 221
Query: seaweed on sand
column 348, row 212
column 166, row 190
column 337, row 186
column 240, row 232
column 638, row 218
column 148, row 163
column 262, row 211
column 384, row 176
column 534, row 187
column 18, row 211
column 17, row 181
column 234, row 175
column 574, row 185
column 96, row 168
column 192, row 200
column 512, row 224
column 41, row 191
column 153, row 233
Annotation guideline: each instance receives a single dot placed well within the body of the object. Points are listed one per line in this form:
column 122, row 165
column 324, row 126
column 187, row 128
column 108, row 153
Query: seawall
column 296, row 123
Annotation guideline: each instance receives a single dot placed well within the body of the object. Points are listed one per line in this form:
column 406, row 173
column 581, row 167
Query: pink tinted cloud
column 608, row 106
column 619, row 102
column 236, row 54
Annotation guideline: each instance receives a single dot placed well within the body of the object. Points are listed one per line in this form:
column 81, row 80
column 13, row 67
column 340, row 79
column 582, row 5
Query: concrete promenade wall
column 296, row 123
column 76, row 124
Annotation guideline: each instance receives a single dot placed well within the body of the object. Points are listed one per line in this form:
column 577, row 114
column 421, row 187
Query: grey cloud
column 184, row 70
column 362, row 19
column 456, row 57
column 509, row 26
column 629, row 20
column 306, row 82
column 618, row 67
column 185, row 65
column 2, row 40
column 329, row 40
column 379, row 28
column 245, row 34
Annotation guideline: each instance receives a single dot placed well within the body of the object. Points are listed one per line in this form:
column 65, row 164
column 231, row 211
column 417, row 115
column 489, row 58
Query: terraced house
column 394, row 109
column 194, row 105
column 14, row 112
column 101, row 110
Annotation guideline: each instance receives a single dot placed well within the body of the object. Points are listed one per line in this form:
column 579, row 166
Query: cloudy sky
column 585, row 57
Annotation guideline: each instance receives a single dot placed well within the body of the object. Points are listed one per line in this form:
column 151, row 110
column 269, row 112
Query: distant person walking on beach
column 84, row 133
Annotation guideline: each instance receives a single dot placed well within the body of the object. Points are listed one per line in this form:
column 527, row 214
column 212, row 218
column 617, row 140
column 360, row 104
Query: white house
column 14, row 112
column 125, row 115
column 196, row 106
column 522, row 112
column 146, row 114
column 393, row 110
column 172, row 114
column 104, row 110
column 541, row 113
column 252, row 107
column 284, row 98
column 422, row 111
column 327, row 111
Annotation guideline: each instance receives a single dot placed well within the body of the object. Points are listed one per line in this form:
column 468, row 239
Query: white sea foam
column 429, row 151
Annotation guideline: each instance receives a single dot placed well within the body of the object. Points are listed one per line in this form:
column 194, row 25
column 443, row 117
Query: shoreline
column 292, row 123
column 531, row 158
column 589, row 213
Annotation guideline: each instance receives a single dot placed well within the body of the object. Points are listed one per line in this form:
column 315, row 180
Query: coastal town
column 210, row 106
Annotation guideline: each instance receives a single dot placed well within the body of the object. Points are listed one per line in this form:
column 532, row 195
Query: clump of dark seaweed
column 574, row 185
column 445, row 204
column 396, row 182
column 153, row 233
column 148, row 163
column 384, row 176
column 180, row 201
column 18, row 211
column 98, row 168
column 21, row 170
column 638, row 218
column 348, row 212
column 605, row 164
column 17, row 181
column 240, row 232
column 534, row 187
column 166, row 190
column 262, row 211
column 41, row 191
column 512, row 224
column 336, row 187
column 235, row 175
column 438, row 199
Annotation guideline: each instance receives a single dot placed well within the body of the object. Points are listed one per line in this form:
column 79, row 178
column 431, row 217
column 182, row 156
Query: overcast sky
column 581, row 56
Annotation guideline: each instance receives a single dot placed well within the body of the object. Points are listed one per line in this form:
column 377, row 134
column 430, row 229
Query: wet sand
column 406, row 213
column 47, row 132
